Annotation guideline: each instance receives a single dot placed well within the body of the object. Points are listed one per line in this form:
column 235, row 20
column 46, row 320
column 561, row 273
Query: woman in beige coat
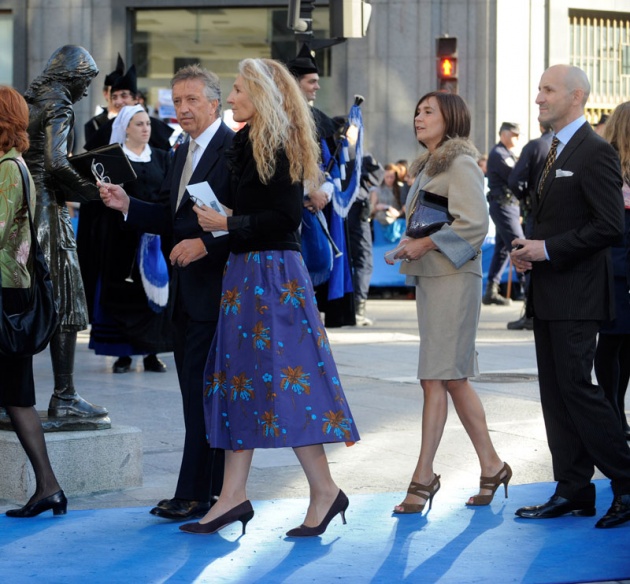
column 446, row 270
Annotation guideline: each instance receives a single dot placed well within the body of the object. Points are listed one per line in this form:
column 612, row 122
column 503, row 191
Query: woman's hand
column 413, row 249
column 209, row 219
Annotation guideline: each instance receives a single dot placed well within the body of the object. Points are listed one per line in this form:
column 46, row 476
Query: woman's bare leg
column 234, row 490
column 434, row 413
column 473, row 417
column 323, row 490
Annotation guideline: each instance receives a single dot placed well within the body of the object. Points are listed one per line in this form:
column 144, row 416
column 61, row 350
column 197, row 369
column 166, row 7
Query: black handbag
column 29, row 332
column 429, row 214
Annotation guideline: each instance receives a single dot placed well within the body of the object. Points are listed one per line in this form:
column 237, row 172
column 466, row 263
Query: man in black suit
column 577, row 215
column 523, row 182
column 198, row 260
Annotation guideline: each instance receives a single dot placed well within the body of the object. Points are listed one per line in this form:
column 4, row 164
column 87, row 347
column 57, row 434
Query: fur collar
column 443, row 157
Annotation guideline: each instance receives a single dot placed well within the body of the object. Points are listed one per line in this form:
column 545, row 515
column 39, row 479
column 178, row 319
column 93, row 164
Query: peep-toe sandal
column 492, row 484
column 419, row 490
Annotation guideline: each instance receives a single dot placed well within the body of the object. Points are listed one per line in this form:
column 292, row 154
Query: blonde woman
column 270, row 379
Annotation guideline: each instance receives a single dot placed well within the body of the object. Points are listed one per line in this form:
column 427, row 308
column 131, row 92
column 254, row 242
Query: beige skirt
column 448, row 315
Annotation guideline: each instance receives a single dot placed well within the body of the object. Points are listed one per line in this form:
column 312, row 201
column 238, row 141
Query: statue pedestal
column 84, row 462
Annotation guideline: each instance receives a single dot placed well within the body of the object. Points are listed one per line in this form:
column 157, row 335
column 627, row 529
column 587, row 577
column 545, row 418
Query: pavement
column 377, row 366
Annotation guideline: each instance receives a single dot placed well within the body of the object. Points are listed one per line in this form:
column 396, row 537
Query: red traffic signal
column 446, row 63
column 447, row 67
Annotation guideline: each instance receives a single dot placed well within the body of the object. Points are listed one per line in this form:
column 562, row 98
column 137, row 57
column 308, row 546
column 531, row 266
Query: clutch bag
column 429, row 215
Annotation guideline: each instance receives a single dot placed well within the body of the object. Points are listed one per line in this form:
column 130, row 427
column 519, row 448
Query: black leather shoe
column 556, row 507
column 180, row 509
column 122, row 365
column 618, row 513
column 57, row 502
column 152, row 363
column 522, row 324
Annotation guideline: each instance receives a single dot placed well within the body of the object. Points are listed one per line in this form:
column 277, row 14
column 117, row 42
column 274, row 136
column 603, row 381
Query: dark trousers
column 201, row 471
column 582, row 428
column 507, row 222
column 360, row 250
column 612, row 368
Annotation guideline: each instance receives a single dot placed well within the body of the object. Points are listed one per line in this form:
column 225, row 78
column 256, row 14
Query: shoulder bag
column 428, row 216
column 29, row 332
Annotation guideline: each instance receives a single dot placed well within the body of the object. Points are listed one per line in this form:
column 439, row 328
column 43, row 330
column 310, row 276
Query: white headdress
column 121, row 121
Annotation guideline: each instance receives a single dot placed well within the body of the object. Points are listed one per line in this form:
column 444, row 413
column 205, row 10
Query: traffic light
column 446, row 61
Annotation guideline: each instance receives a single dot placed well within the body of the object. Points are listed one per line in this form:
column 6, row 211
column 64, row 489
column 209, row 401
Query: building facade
column 503, row 46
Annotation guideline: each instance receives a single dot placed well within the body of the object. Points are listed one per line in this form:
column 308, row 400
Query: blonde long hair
column 617, row 132
column 282, row 120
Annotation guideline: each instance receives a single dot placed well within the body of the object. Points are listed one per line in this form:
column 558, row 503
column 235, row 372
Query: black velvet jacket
column 265, row 216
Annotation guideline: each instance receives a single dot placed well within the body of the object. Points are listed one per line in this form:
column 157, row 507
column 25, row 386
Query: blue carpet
column 450, row 544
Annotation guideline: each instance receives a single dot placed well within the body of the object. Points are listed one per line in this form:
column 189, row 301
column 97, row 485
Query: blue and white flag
column 153, row 271
column 343, row 199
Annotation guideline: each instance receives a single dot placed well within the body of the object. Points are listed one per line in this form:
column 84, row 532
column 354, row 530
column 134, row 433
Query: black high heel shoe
column 339, row 505
column 243, row 513
column 57, row 502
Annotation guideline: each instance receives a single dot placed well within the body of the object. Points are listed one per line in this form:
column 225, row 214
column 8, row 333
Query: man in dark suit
column 198, row 260
column 523, row 182
column 577, row 215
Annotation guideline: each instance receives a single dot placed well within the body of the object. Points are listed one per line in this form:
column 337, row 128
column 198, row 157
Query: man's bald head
column 562, row 94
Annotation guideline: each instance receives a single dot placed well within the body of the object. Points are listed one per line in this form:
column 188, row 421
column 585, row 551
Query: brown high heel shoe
column 491, row 483
column 425, row 491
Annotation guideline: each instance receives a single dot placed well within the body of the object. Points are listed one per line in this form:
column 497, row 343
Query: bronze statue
column 50, row 98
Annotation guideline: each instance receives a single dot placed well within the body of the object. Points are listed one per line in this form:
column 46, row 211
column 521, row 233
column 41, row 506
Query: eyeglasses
column 98, row 170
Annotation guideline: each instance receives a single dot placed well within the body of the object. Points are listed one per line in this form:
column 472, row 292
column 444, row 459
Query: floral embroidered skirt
column 270, row 379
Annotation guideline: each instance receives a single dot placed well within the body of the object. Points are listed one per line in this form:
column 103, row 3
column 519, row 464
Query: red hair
column 13, row 121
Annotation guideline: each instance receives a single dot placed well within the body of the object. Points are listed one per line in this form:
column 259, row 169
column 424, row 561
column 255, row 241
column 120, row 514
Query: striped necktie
column 551, row 158
column 186, row 172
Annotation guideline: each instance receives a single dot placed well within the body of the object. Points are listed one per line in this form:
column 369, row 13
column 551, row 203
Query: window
column 164, row 40
column 6, row 48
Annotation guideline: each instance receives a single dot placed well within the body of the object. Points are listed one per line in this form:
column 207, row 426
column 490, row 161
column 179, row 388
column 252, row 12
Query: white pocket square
column 560, row 173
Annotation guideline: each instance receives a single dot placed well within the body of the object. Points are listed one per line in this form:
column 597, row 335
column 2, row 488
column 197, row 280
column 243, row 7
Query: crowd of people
column 254, row 364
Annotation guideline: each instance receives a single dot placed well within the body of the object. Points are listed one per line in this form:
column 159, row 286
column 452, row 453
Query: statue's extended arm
column 56, row 165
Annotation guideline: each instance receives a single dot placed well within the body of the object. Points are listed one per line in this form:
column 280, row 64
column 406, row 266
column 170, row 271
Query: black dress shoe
column 152, row 363
column 243, row 513
column 524, row 323
column 339, row 506
column 180, row 509
column 122, row 365
column 57, row 502
column 618, row 513
column 556, row 507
